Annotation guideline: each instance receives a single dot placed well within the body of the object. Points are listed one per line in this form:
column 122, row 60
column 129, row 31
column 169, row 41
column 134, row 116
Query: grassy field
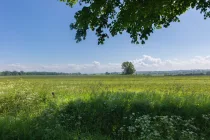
column 105, row 107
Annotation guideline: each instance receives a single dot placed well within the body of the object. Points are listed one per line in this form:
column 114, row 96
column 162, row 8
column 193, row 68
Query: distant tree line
column 19, row 73
column 190, row 74
column 112, row 73
column 185, row 73
column 175, row 73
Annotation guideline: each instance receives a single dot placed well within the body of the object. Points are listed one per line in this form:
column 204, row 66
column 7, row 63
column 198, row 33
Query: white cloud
column 147, row 62
column 96, row 63
column 144, row 63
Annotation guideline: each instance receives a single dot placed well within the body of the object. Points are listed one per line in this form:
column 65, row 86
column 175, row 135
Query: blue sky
column 34, row 33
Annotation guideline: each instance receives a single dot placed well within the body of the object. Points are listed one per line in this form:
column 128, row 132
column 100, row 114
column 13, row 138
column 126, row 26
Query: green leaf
column 139, row 18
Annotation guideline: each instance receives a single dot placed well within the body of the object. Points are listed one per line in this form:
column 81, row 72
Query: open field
column 105, row 107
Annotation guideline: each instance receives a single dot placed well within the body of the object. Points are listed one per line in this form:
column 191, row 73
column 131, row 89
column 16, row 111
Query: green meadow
column 105, row 108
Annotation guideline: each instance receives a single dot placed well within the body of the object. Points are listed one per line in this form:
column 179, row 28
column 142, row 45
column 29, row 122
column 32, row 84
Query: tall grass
column 98, row 107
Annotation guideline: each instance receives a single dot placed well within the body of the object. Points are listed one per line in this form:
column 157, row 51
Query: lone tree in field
column 139, row 18
column 128, row 68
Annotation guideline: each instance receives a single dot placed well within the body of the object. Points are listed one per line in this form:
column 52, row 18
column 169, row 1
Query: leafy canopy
column 128, row 68
column 139, row 18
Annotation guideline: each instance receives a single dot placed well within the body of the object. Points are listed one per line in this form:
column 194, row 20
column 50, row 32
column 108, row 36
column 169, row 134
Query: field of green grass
column 105, row 108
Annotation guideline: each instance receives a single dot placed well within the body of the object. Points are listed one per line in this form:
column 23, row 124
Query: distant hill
column 175, row 72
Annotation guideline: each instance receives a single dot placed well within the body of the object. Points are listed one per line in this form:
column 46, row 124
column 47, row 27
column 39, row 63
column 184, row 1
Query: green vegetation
column 105, row 107
column 21, row 73
column 139, row 18
column 128, row 68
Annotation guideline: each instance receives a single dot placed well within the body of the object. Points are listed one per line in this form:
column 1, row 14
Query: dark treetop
column 139, row 18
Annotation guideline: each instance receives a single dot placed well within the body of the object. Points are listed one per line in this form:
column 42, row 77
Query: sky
column 35, row 36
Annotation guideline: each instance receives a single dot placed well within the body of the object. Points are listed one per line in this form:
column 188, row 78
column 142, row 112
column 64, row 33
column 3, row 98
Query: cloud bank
column 144, row 63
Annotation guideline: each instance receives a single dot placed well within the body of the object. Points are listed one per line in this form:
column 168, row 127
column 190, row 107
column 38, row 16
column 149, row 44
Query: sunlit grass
column 105, row 107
